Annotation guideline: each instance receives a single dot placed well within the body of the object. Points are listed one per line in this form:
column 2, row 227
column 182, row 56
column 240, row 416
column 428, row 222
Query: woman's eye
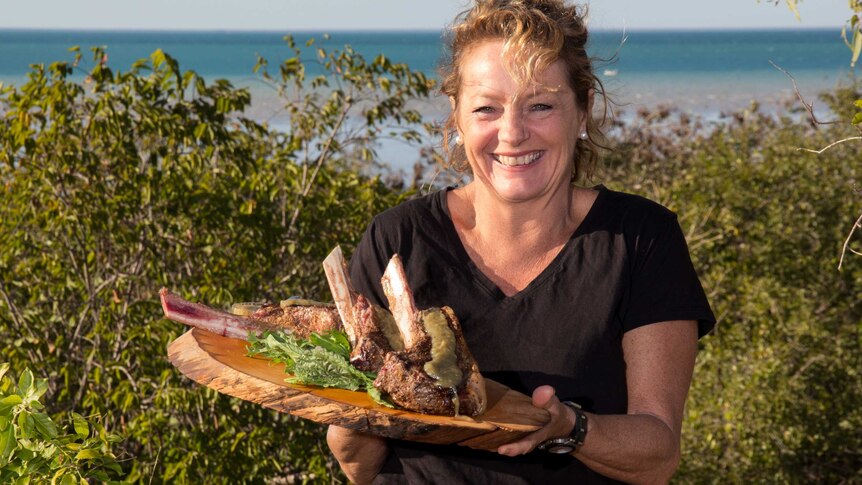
column 484, row 109
column 540, row 107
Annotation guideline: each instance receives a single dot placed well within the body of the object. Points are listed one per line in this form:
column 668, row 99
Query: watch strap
column 575, row 439
column 579, row 432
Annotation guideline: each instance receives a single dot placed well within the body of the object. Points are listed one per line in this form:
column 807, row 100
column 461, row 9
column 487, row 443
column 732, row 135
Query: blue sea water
column 705, row 72
column 647, row 67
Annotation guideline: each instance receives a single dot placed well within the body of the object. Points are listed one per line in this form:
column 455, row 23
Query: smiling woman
column 583, row 297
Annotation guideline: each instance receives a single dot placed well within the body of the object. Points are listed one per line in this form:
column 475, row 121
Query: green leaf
column 25, row 381
column 378, row 397
column 791, row 4
column 857, row 47
column 857, row 119
column 8, row 402
column 158, row 57
column 4, row 367
column 82, row 429
column 88, row 454
column 44, row 425
column 335, row 342
column 7, row 445
column 26, row 425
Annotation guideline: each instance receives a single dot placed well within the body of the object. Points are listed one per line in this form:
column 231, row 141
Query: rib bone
column 342, row 291
column 369, row 328
column 401, row 303
column 302, row 319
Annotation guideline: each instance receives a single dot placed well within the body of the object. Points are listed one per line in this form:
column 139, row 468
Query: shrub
column 33, row 448
column 130, row 181
column 776, row 389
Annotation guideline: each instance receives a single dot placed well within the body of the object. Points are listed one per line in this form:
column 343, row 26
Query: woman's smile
column 518, row 160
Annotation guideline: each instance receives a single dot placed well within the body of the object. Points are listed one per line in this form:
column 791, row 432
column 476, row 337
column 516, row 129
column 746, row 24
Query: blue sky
column 291, row 15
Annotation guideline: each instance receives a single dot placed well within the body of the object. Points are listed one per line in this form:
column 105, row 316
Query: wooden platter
column 221, row 363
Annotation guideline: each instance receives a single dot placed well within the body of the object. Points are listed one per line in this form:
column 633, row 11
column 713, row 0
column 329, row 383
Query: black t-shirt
column 625, row 266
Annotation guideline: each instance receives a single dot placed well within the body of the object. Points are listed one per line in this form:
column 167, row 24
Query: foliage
column 854, row 27
column 319, row 360
column 776, row 390
column 32, row 447
column 129, row 181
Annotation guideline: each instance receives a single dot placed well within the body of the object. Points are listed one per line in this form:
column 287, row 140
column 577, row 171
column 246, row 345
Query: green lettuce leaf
column 321, row 360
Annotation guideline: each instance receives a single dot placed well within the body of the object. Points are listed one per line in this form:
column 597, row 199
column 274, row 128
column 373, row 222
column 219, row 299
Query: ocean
column 703, row 72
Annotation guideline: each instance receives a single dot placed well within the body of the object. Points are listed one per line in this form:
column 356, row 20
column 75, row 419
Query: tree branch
column 827, row 147
column 846, row 247
column 808, row 106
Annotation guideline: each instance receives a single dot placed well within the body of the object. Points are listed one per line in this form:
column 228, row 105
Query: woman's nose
column 513, row 128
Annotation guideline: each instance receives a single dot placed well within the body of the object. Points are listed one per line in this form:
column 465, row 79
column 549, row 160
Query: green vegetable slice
column 321, row 360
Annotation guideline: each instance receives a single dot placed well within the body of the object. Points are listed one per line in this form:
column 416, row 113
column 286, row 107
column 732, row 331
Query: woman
column 566, row 293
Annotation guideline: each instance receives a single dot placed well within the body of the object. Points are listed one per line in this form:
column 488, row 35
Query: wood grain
column 221, row 363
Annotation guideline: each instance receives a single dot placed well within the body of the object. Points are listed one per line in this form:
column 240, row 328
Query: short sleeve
column 664, row 285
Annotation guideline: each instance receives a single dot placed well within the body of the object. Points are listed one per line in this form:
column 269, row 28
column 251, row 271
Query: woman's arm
column 641, row 446
column 360, row 455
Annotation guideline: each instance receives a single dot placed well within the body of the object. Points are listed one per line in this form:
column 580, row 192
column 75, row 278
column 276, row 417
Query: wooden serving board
column 222, row 364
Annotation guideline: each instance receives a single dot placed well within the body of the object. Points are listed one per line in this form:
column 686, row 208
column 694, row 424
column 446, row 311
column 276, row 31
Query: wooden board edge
column 210, row 372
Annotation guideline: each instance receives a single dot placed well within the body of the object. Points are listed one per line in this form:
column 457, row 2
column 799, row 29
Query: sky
column 331, row 15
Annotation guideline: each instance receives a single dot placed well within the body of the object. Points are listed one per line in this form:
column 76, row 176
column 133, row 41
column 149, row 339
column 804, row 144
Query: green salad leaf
column 321, row 360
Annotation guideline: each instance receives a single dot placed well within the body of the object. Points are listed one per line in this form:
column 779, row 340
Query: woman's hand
column 561, row 424
column 360, row 455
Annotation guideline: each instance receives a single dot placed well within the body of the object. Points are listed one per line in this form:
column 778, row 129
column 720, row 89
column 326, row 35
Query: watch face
column 559, row 446
column 560, row 449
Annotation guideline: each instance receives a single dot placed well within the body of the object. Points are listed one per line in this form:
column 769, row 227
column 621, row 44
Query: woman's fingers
column 544, row 397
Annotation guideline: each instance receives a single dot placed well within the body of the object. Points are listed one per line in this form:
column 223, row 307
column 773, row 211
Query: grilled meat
column 300, row 319
column 421, row 357
column 436, row 373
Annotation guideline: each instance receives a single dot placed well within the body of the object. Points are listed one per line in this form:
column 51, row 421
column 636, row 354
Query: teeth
column 516, row 161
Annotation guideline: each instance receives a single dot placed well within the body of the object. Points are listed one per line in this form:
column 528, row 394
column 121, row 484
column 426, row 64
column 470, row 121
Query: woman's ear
column 452, row 103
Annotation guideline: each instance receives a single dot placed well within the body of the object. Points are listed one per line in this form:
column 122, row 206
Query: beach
column 707, row 74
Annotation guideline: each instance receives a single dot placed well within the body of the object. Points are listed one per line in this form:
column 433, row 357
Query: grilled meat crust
column 299, row 319
column 371, row 342
column 404, row 378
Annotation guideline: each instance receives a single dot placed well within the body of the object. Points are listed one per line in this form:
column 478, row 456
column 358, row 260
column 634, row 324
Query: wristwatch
column 572, row 442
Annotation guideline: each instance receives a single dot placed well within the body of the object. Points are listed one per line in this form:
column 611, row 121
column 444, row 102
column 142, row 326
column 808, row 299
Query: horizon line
column 304, row 30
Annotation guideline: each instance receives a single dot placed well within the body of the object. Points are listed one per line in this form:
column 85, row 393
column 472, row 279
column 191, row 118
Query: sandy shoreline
column 706, row 96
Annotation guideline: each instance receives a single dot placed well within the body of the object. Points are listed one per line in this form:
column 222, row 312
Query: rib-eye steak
column 420, row 357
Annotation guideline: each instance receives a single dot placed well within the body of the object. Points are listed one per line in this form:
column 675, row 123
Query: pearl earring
column 583, row 135
column 458, row 139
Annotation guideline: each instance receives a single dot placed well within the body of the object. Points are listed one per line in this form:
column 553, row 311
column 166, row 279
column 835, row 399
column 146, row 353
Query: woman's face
column 520, row 140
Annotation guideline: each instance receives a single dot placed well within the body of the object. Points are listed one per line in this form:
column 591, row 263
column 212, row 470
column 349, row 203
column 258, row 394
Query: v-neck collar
column 485, row 283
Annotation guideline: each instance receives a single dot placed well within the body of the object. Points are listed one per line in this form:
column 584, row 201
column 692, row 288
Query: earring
column 584, row 135
column 458, row 140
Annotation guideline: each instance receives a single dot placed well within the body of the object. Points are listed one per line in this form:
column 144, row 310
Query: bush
column 776, row 390
column 131, row 181
column 32, row 447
